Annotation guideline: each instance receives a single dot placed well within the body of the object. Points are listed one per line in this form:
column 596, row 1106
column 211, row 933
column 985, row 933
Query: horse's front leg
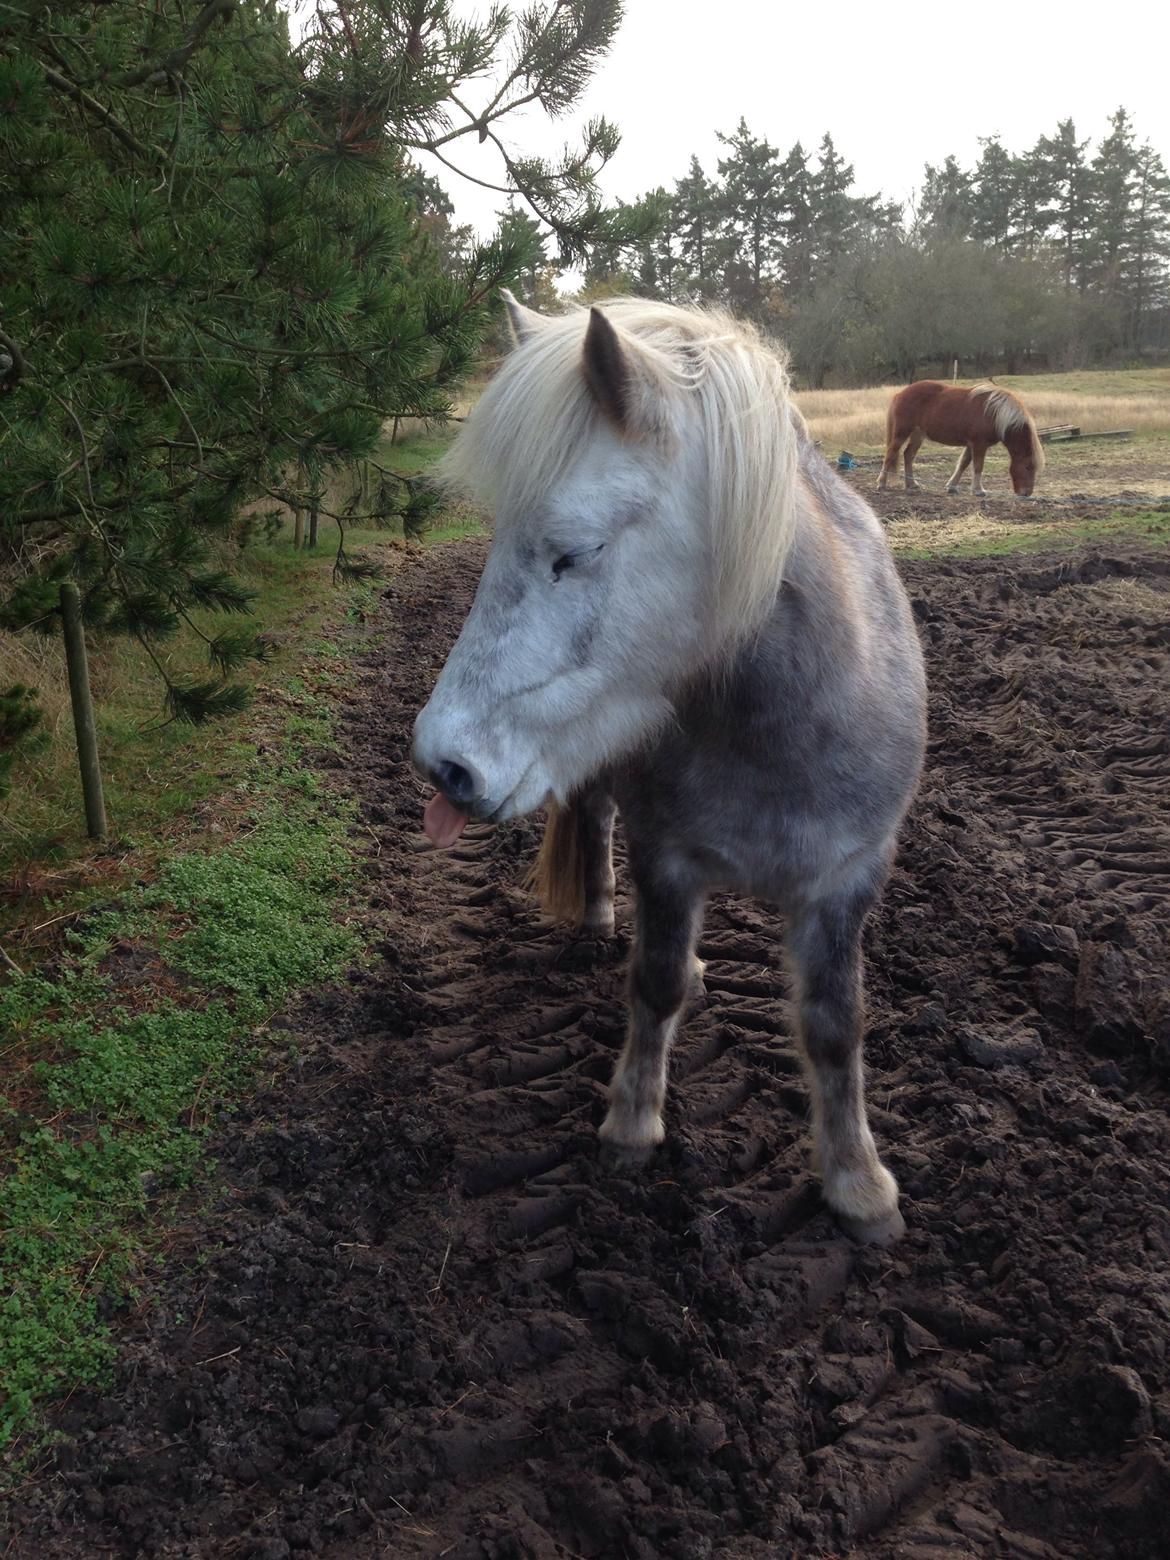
column 662, row 974
column 964, row 462
column 824, row 949
column 978, row 453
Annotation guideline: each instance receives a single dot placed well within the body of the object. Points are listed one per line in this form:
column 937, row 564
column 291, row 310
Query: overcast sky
column 895, row 88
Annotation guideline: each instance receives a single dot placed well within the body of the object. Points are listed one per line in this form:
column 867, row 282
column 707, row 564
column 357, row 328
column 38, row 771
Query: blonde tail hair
column 558, row 874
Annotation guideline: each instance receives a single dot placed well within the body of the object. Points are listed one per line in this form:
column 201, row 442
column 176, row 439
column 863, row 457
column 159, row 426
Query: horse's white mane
column 713, row 379
column 1010, row 412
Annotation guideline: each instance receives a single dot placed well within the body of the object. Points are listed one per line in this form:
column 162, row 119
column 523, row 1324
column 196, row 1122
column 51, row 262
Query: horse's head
column 614, row 573
column 1026, row 454
column 1023, row 469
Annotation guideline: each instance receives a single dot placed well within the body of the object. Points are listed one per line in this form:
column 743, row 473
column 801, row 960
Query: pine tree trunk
column 313, row 513
column 298, row 528
column 83, row 722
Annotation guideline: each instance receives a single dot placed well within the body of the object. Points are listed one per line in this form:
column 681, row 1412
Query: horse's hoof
column 886, row 1231
column 952, row 491
column 621, row 1158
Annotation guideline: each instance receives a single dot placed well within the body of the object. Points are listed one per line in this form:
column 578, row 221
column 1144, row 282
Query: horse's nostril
column 457, row 783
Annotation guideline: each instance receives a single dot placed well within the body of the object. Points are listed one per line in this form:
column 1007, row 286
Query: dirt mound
column 423, row 1321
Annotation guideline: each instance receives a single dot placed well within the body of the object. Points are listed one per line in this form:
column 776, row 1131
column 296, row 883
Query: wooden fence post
column 83, row 721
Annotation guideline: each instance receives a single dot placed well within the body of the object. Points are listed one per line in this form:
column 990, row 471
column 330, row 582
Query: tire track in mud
column 425, row 1322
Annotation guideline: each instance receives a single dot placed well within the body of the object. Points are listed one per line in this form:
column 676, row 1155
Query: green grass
column 224, row 892
column 973, row 536
column 154, row 772
column 1094, row 381
column 110, row 1081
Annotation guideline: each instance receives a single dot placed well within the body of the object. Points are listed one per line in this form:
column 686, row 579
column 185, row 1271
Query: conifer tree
column 993, row 196
column 944, row 203
column 697, row 206
column 215, row 284
column 1069, row 209
column 1150, row 239
column 798, row 220
column 752, row 208
column 1115, row 171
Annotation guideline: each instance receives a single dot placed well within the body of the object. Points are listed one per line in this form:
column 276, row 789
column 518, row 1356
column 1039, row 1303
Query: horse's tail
column 893, row 411
column 558, row 874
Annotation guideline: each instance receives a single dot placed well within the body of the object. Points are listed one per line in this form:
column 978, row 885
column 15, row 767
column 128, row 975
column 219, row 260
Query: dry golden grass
column 953, row 533
column 856, row 419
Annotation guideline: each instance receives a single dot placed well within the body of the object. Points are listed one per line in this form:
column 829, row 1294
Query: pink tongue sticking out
column 442, row 823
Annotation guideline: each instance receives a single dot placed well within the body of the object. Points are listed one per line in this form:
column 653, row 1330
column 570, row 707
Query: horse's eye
column 571, row 560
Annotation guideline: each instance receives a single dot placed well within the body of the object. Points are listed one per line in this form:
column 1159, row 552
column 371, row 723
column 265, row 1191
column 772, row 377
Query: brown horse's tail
column 558, row 874
column 892, row 418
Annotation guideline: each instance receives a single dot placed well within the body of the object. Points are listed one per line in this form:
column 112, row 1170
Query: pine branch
column 172, row 63
column 103, row 115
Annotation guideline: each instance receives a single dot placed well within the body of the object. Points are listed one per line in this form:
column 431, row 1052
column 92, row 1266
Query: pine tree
column 752, row 212
column 840, row 218
column 944, row 203
column 697, row 206
column 529, row 240
column 216, row 285
column 1150, row 239
column 1070, row 207
column 1115, row 173
column 994, row 195
column 1032, row 196
column 835, row 210
column 797, row 223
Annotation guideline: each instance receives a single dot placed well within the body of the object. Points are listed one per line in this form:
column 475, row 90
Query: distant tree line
column 1059, row 255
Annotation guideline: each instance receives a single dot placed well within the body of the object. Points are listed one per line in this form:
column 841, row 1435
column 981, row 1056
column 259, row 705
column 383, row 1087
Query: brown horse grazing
column 977, row 418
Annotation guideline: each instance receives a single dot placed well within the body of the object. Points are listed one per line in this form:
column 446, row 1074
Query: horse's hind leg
column 964, row 462
column 661, row 976
column 897, row 437
column 824, row 949
column 912, row 449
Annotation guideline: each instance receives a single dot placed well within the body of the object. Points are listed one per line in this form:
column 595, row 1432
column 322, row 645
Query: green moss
column 113, row 1097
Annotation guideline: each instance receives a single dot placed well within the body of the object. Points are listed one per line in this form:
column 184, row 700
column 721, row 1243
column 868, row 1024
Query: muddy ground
column 423, row 1321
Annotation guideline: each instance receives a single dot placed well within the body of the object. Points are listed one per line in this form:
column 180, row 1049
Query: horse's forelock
column 707, row 372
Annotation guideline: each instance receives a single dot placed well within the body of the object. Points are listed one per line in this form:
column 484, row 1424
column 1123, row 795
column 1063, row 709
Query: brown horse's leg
column 824, row 950
column 912, row 449
column 661, row 977
column 978, row 452
column 964, row 462
column 597, row 815
column 895, row 440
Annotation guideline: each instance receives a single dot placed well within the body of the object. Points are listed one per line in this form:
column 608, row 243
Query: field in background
column 1139, row 398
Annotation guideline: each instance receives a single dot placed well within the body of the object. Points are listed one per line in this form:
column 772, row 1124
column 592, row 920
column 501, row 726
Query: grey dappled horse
column 685, row 613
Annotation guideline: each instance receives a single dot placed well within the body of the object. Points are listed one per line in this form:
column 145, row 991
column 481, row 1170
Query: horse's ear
column 609, row 371
column 522, row 321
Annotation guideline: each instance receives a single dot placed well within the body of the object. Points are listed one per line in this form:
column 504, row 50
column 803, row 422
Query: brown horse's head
column 1027, row 456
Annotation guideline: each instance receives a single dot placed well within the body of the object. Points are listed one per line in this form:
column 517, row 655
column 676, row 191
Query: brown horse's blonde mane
column 1009, row 413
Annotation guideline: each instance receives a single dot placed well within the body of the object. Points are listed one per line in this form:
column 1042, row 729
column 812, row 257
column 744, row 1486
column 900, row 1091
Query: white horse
column 685, row 613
